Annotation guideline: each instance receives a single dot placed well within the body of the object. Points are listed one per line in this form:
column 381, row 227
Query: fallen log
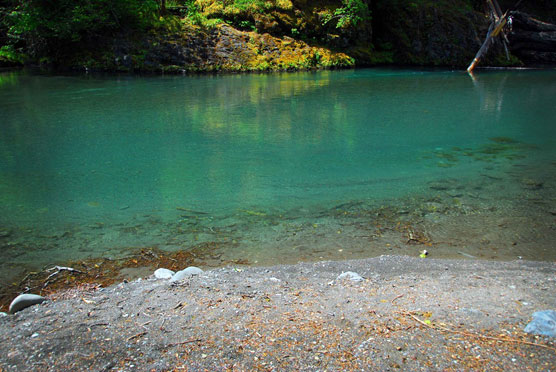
column 528, row 38
column 526, row 22
column 539, row 41
column 533, row 41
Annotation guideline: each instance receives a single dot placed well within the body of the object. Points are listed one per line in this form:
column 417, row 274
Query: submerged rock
column 350, row 275
column 531, row 184
column 25, row 300
column 163, row 273
column 3, row 314
column 186, row 273
column 445, row 184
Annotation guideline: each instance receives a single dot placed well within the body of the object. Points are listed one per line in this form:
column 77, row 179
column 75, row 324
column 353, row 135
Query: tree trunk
column 533, row 41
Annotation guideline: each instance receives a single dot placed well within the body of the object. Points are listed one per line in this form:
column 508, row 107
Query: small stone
column 3, row 314
column 163, row 273
column 186, row 273
column 543, row 323
column 350, row 275
column 25, row 300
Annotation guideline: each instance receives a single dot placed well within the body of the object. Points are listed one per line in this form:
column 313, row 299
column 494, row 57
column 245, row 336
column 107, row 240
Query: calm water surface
column 85, row 159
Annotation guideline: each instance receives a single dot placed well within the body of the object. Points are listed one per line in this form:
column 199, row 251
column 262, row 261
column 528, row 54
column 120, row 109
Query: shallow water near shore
column 278, row 168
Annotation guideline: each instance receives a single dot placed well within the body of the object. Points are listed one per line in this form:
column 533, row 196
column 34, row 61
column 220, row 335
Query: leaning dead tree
column 496, row 28
column 533, row 41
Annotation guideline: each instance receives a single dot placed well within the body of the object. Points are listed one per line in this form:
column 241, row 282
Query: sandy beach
column 406, row 314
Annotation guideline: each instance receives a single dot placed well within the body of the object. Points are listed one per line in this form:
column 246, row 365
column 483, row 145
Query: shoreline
column 301, row 317
column 37, row 70
column 451, row 219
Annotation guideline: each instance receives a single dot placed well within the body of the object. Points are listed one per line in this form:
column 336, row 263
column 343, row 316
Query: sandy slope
column 297, row 317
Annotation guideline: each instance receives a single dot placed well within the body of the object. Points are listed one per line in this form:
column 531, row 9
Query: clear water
column 96, row 165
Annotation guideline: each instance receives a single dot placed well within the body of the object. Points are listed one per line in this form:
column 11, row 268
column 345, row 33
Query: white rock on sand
column 186, row 273
column 25, row 300
column 350, row 275
column 163, row 273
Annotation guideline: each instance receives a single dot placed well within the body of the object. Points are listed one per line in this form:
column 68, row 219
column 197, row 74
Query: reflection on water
column 279, row 167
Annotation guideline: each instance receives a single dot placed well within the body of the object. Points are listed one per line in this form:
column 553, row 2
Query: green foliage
column 51, row 28
column 240, row 13
column 246, row 25
column 501, row 60
column 351, row 14
column 194, row 16
column 250, row 5
column 8, row 54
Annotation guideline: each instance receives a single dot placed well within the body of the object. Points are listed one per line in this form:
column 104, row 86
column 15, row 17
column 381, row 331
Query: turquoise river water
column 277, row 168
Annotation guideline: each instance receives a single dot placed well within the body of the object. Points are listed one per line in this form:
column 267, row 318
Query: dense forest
column 212, row 35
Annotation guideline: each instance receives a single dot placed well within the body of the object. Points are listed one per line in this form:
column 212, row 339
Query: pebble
column 186, row 273
column 543, row 323
column 3, row 314
column 163, row 273
column 350, row 275
column 25, row 300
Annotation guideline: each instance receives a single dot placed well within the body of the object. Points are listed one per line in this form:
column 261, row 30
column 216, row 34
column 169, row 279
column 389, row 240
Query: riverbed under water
column 277, row 168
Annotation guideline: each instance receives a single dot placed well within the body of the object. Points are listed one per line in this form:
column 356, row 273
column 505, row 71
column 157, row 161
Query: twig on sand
column 140, row 334
column 27, row 277
column 61, row 268
column 181, row 343
column 444, row 329
column 58, row 270
column 395, row 298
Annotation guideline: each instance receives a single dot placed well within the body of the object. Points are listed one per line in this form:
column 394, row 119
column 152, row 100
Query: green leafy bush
column 351, row 14
column 9, row 55
column 53, row 28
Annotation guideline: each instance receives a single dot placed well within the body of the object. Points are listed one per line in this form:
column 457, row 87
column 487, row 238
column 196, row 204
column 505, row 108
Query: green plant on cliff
column 9, row 55
column 239, row 13
column 351, row 14
column 51, row 30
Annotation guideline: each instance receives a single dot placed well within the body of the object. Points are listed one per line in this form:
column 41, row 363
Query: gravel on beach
column 407, row 314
